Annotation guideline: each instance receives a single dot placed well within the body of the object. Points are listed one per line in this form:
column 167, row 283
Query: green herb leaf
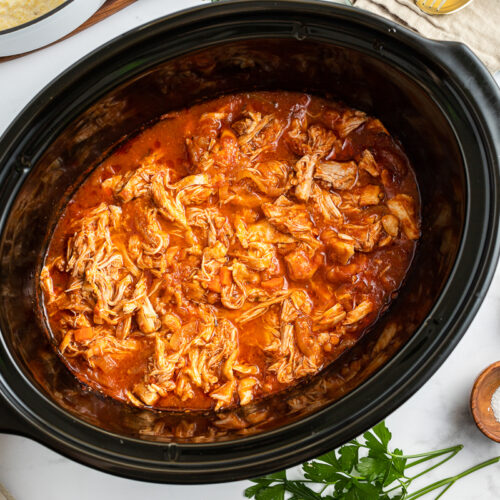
column 276, row 492
column 302, row 491
column 383, row 433
column 361, row 470
column 261, row 484
column 277, row 475
column 330, row 458
column 376, row 447
column 367, row 491
column 348, row 458
column 320, row 472
column 372, row 467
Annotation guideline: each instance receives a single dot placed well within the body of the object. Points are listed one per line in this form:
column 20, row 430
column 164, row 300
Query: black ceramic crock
column 436, row 98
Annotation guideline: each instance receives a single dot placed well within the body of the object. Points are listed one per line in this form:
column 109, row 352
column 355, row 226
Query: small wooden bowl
column 480, row 401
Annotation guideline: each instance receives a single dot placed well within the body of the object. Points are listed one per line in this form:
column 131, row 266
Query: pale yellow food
column 16, row 12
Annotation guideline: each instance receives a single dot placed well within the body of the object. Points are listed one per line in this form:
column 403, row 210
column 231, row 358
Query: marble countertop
column 436, row 417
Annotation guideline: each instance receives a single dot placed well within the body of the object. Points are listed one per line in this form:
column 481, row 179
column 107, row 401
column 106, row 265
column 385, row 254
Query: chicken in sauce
column 230, row 250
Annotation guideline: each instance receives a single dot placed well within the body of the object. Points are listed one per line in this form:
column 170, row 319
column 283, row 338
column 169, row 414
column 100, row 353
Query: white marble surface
column 437, row 416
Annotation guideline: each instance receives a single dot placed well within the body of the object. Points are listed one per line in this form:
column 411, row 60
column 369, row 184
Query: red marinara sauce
column 229, row 250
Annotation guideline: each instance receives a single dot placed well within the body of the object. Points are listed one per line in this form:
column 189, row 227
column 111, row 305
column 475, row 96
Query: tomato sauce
column 229, row 250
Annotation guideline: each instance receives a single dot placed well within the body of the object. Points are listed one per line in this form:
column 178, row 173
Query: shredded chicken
column 258, row 133
column 327, row 203
column 341, row 175
column 270, row 177
column 228, row 251
column 304, row 170
column 349, row 122
column 367, row 162
column 403, row 207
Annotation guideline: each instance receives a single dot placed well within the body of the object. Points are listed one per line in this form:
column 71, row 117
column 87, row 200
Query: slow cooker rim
column 382, row 25
column 130, row 34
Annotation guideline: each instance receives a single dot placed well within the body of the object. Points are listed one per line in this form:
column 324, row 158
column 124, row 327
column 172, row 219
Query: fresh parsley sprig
column 362, row 470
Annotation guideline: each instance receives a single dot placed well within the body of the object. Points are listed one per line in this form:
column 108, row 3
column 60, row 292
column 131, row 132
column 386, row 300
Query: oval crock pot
column 437, row 98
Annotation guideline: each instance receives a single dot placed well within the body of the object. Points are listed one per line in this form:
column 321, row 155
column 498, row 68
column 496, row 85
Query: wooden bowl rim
column 476, row 413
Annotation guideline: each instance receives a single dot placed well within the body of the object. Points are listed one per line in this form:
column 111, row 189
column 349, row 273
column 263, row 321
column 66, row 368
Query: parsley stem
column 445, row 490
column 424, row 456
column 410, row 479
column 429, row 454
column 379, row 473
column 450, row 480
column 449, row 457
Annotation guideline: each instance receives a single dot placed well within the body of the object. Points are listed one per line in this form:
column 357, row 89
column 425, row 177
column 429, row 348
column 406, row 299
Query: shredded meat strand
column 229, row 250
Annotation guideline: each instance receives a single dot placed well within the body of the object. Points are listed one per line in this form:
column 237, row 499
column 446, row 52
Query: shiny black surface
column 436, row 97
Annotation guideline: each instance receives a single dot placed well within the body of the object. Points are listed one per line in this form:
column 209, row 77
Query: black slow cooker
column 436, row 97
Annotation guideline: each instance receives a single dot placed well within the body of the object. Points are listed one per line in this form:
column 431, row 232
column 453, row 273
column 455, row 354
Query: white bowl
column 48, row 28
